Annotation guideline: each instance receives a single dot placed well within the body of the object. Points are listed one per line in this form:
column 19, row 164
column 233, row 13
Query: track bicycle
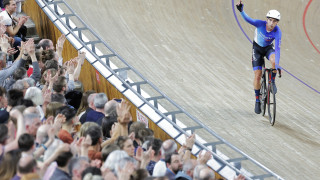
column 267, row 96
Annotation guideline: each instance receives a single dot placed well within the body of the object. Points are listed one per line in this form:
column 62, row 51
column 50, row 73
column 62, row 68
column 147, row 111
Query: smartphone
column 118, row 100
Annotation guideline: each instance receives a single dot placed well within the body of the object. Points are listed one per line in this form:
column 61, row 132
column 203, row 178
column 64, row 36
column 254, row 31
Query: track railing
column 116, row 70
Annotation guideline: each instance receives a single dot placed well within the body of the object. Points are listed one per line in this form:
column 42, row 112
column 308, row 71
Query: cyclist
column 265, row 33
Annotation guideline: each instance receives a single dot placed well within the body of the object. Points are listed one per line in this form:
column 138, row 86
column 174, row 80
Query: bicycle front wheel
column 271, row 105
column 263, row 97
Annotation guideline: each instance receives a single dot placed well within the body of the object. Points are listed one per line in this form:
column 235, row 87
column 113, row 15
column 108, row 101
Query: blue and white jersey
column 264, row 38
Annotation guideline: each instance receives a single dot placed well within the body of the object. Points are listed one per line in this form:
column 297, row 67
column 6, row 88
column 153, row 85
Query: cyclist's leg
column 272, row 58
column 257, row 63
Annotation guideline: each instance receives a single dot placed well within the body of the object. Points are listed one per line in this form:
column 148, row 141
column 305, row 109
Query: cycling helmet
column 273, row 14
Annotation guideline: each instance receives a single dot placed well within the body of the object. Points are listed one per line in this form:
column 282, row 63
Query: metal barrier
column 62, row 15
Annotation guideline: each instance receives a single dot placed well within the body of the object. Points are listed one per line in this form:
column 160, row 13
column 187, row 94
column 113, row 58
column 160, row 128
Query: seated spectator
column 4, row 114
column 76, row 166
column 156, row 147
column 174, row 165
column 62, row 171
column 67, row 129
column 13, row 96
column 26, row 165
column 187, row 170
column 125, row 144
column 52, row 108
column 107, row 123
column 89, row 108
column 96, row 136
column 97, row 114
column 35, row 95
column 203, row 172
column 13, row 24
column 8, row 166
column 91, row 173
column 26, row 144
column 113, row 159
column 32, row 123
column 85, row 127
column 74, row 98
column 168, row 147
column 84, row 105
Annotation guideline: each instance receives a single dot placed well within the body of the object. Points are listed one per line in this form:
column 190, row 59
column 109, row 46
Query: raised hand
column 123, row 111
column 240, row 6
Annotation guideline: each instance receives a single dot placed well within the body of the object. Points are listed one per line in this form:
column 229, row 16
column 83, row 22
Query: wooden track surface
column 196, row 54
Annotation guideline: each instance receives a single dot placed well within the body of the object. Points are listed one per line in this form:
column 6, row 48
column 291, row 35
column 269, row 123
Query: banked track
column 197, row 55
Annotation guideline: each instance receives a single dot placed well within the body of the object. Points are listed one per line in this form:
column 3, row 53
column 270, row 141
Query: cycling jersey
column 264, row 38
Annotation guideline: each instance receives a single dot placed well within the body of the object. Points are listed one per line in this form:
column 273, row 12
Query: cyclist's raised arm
column 277, row 46
column 254, row 22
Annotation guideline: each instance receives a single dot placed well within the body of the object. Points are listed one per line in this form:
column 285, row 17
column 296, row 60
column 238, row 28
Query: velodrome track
column 195, row 52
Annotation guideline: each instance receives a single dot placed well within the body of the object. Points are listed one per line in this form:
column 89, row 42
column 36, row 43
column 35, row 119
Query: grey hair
column 19, row 84
column 75, row 163
column 30, row 81
column 35, row 95
column 114, row 158
column 100, row 100
column 110, row 108
column 29, row 118
column 122, row 163
column 168, row 147
column 197, row 170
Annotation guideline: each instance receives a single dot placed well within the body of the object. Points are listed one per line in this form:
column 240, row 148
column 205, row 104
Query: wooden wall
column 88, row 76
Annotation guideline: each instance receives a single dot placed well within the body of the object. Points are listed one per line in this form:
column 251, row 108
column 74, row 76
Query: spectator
column 156, row 147
column 13, row 24
column 4, row 114
column 52, row 108
column 84, row 105
column 8, row 166
column 90, row 107
column 13, row 96
column 125, row 143
column 33, row 122
column 168, row 147
column 97, row 113
column 187, row 170
column 67, row 130
column 95, row 149
column 108, row 149
column 26, row 165
column 62, row 172
column 77, row 166
column 174, row 165
column 26, row 144
column 35, row 95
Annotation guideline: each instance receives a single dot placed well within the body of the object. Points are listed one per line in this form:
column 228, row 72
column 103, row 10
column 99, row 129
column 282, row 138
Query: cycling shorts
column 258, row 54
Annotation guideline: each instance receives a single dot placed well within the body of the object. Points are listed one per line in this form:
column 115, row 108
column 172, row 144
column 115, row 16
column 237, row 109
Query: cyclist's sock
column 257, row 92
column 273, row 76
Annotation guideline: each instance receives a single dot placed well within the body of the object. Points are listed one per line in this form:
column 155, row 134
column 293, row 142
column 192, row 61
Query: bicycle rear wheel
column 263, row 92
column 271, row 101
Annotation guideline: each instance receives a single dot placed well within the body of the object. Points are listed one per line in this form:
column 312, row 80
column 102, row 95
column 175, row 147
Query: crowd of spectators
column 51, row 129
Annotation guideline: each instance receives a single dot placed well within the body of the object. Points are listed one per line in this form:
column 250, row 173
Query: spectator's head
column 139, row 174
column 76, row 166
column 10, row 6
column 26, row 142
column 107, row 150
column 78, row 86
column 114, row 158
column 188, row 166
column 173, row 162
column 3, row 134
column 30, row 81
column 69, row 113
column 14, row 95
column 91, row 173
column 26, row 165
column 63, row 159
column 3, row 97
column 155, row 144
column 123, row 162
column 60, row 86
column 84, row 101
column 107, row 123
column 74, row 98
column 100, row 100
column 32, row 123
column 45, row 74
column 139, row 130
column 85, row 127
column 42, row 134
column 52, row 108
column 31, row 110
column 95, row 133
column 21, row 84
column 45, row 44
column 203, row 172
column 110, row 108
column 51, row 64
column 35, row 95
column 168, row 147
column 8, row 166
column 91, row 101
column 126, row 144
column 19, row 73
column 55, row 97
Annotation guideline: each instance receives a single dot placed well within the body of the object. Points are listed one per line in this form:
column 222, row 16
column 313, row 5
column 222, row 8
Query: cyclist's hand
column 240, row 6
